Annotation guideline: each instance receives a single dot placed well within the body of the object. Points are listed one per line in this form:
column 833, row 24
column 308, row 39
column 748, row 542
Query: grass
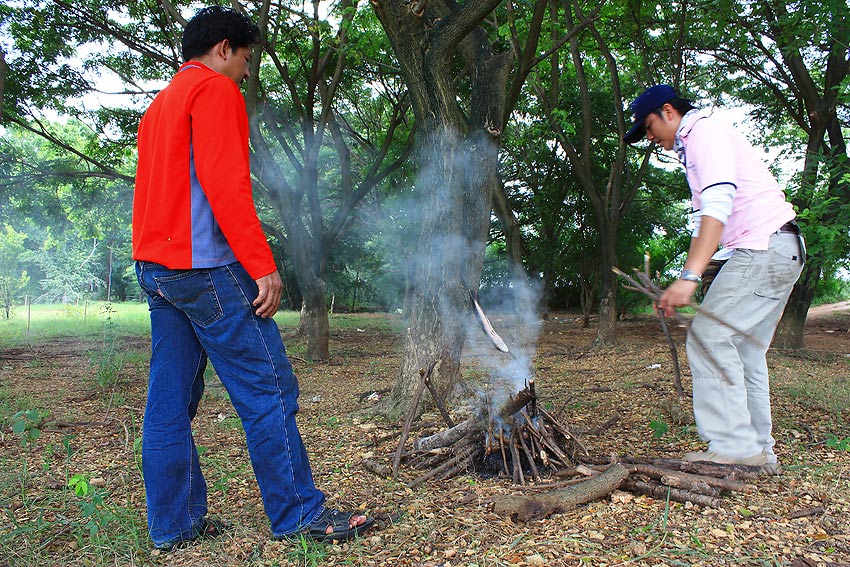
column 92, row 320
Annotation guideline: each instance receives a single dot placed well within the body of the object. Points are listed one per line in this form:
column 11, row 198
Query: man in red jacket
column 213, row 286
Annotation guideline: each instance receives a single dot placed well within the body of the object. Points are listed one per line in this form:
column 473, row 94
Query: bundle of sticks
column 680, row 481
column 699, row 483
column 646, row 286
column 518, row 439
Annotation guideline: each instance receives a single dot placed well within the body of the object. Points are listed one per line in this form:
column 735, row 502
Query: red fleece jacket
column 193, row 206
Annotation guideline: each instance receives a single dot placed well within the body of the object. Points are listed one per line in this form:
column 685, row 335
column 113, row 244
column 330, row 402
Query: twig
column 411, row 413
column 440, row 406
column 677, row 374
column 445, row 466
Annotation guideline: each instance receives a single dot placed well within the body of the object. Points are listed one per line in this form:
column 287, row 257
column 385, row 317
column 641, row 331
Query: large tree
column 323, row 136
column 463, row 83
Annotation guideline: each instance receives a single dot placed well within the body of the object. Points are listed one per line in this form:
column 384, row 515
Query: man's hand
column 677, row 295
column 268, row 298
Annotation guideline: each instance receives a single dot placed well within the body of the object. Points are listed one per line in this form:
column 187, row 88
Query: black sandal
column 207, row 528
column 341, row 524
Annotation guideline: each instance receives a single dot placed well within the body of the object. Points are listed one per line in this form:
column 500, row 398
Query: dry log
column 446, row 437
column 720, row 483
column 515, row 403
column 703, row 468
column 691, row 485
column 524, row 508
column 661, row 492
column 377, row 468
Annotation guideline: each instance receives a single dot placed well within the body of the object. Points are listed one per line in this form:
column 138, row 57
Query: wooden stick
column 463, row 465
column 691, row 485
column 519, row 477
column 660, row 492
column 446, row 437
column 502, row 447
column 377, row 468
column 445, row 466
column 411, row 413
column 677, row 374
column 530, row 457
column 440, row 406
column 525, row 508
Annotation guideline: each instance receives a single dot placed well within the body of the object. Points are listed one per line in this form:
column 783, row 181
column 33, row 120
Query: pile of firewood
column 700, row 483
column 519, row 440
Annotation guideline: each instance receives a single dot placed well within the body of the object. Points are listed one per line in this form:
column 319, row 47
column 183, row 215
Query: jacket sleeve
column 220, row 145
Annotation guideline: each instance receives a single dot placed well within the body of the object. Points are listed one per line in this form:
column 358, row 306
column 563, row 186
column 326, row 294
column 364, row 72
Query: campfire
column 518, row 441
column 517, row 438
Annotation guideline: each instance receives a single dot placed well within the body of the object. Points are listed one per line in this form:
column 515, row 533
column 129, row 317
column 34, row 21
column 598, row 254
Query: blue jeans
column 203, row 313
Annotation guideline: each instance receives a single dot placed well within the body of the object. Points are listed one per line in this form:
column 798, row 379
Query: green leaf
column 659, row 428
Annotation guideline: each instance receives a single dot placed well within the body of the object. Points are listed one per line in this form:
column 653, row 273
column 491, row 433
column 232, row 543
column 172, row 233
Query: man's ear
column 223, row 49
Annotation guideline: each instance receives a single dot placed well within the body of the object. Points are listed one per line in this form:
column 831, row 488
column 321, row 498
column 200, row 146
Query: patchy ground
column 93, row 395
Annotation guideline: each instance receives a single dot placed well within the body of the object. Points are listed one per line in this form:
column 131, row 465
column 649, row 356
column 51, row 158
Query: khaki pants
column 732, row 405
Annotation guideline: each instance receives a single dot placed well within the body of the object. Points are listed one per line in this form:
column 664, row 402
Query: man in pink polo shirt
column 739, row 207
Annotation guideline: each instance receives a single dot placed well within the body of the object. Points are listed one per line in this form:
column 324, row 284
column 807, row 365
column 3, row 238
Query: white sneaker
column 757, row 460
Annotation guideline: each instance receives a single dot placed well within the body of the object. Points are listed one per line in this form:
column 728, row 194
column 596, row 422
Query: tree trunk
column 457, row 163
column 314, row 323
column 307, row 264
column 606, row 331
column 791, row 328
column 439, row 300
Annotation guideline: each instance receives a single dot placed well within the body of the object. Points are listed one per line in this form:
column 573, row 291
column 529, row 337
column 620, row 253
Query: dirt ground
column 801, row 518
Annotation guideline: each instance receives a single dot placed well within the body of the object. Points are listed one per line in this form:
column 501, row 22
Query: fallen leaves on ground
column 93, row 429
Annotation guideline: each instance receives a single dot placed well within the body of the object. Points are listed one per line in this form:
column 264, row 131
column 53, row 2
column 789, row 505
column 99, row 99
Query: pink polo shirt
column 716, row 153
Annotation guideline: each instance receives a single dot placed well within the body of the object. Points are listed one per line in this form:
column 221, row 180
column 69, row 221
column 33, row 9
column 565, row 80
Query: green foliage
column 838, row 443
column 659, row 428
column 79, row 483
column 26, row 424
column 13, row 274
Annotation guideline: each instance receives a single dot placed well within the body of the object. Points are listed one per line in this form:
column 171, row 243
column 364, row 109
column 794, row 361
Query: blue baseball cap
column 652, row 98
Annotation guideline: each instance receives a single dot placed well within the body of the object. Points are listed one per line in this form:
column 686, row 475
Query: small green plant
column 841, row 444
column 659, row 428
column 93, row 510
column 332, row 422
column 79, row 484
column 26, row 424
column 308, row 552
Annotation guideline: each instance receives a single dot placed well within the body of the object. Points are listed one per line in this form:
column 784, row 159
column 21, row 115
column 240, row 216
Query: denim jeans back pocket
column 193, row 293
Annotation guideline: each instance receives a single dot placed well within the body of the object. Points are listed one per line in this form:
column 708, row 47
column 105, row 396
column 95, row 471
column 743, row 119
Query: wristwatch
column 690, row 276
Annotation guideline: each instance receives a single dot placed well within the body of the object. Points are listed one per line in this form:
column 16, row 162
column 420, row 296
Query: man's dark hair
column 213, row 24
column 681, row 105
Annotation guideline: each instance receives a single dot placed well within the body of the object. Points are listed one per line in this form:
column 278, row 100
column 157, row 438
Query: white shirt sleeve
column 717, row 201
